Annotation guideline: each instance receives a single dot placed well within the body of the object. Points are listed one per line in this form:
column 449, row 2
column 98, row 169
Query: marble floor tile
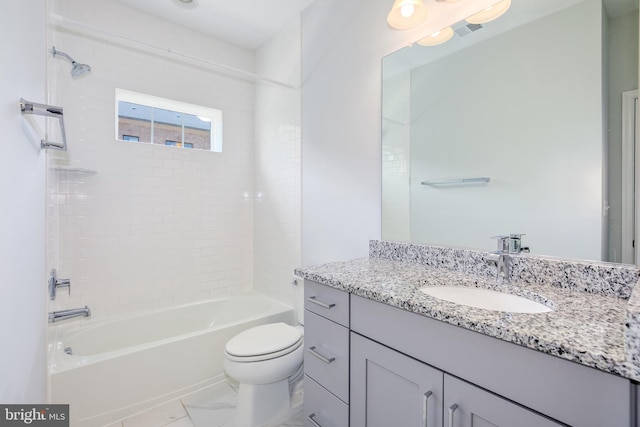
column 160, row 416
column 210, row 407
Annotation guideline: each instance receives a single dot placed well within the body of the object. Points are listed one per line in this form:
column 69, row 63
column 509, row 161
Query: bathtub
column 119, row 367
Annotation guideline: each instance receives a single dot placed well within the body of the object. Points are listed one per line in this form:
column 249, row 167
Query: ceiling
column 245, row 23
column 250, row 23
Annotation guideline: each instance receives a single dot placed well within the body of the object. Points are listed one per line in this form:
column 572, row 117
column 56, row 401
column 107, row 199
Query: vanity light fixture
column 406, row 14
column 437, row 38
column 490, row 13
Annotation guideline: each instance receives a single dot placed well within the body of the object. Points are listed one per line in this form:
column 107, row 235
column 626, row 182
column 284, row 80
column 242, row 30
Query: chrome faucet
column 55, row 283
column 507, row 245
column 56, row 316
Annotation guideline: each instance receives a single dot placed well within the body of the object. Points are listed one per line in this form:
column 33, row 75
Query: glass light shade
column 490, row 13
column 406, row 14
column 435, row 39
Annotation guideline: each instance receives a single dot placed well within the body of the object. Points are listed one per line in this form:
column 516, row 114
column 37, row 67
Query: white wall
column 342, row 47
column 277, row 216
column 22, row 217
column 523, row 108
column 156, row 226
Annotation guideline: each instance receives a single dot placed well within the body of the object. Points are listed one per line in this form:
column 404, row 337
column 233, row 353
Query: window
column 163, row 121
column 178, row 144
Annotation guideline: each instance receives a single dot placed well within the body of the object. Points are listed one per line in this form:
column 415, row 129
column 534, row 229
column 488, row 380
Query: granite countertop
column 585, row 326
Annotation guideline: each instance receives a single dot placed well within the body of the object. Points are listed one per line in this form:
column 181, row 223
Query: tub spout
column 56, row 316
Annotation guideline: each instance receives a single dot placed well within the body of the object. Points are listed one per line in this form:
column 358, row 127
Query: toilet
column 263, row 359
column 266, row 361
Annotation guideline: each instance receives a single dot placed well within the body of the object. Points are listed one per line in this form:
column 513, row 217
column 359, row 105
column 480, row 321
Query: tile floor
column 210, row 407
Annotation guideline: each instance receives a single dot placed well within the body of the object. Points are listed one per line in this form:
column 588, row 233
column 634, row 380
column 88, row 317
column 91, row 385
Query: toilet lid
column 263, row 339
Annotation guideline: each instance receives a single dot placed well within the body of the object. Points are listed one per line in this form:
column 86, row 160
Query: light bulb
column 406, row 14
column 407, row 10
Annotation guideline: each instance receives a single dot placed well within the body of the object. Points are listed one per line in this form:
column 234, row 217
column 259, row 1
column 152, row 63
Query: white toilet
column 264, row 360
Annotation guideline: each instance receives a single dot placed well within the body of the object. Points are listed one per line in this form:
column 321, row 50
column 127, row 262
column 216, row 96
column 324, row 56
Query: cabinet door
column 391, row 389
column 466, row 405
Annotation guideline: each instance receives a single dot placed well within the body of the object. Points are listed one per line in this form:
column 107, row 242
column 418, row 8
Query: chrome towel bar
column 484, row 179
column 28, row 107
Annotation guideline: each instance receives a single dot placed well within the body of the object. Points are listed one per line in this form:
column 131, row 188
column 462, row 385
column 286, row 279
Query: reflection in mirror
column 532, row 101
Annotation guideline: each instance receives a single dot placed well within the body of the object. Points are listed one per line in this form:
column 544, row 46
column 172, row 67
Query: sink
column 485, row 298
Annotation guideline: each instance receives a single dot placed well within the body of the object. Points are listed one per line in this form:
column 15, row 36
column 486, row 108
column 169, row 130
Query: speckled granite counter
column 595, row 319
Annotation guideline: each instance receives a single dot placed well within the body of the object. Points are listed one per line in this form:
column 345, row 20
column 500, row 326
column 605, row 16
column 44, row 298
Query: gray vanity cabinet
column 391, row 389
column 368, row 364
column 326, row 356
column 502, row 383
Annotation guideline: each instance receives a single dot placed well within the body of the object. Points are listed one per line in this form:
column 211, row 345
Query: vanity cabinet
column 326, row 356
column 492, row 382
column 371, row 364
column 390, row 388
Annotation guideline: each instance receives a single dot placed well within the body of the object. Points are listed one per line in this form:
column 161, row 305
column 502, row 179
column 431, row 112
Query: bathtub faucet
column 56, row 316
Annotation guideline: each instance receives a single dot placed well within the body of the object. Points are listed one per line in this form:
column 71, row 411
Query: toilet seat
column 263, row 342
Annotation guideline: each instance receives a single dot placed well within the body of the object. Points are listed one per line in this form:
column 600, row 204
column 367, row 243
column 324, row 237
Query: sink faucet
column 507, row 245
column 56, row 316
column 503, row 264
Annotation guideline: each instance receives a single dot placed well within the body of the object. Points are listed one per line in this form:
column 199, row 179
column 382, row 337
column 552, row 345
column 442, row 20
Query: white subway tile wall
column 158, row 226
column 277, row 212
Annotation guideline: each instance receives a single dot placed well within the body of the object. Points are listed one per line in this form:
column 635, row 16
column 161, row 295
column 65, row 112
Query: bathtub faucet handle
column 55, row 283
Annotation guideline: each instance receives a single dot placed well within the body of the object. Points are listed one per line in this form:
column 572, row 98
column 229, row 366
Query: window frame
column 210, row 114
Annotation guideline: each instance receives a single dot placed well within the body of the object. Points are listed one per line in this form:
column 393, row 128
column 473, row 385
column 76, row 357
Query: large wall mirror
column 525, row 125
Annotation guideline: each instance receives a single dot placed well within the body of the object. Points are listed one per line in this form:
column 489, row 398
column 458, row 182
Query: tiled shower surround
column 138, row 226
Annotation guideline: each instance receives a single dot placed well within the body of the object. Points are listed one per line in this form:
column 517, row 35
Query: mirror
column 525, row 125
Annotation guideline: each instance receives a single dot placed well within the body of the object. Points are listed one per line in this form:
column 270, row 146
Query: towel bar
column 28, row 107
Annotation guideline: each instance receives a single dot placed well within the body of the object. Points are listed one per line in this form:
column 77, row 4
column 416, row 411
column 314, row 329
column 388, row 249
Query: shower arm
column 57, row 52
column 28, row 107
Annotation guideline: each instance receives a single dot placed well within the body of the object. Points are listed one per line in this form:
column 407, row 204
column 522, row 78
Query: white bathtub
column 120, row 367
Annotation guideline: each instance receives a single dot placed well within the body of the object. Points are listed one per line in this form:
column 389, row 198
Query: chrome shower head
column 77, row 69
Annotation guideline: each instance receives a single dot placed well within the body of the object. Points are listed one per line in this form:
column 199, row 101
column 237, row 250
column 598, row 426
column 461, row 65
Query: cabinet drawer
column 326, row 356
column 322, row 407
column 327, row 302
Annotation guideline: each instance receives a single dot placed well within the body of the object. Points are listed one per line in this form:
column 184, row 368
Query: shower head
column 77, row 69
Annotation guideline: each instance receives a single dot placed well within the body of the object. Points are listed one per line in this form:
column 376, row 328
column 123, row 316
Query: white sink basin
column 485, row 298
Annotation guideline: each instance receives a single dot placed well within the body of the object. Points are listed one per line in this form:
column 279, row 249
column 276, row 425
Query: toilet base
column 259, row 404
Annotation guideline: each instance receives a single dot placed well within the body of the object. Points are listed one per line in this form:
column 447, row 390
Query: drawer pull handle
column 452, row 409
column 320, row 356
column 312, row 421
column 322, row 304
column 425, row 403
